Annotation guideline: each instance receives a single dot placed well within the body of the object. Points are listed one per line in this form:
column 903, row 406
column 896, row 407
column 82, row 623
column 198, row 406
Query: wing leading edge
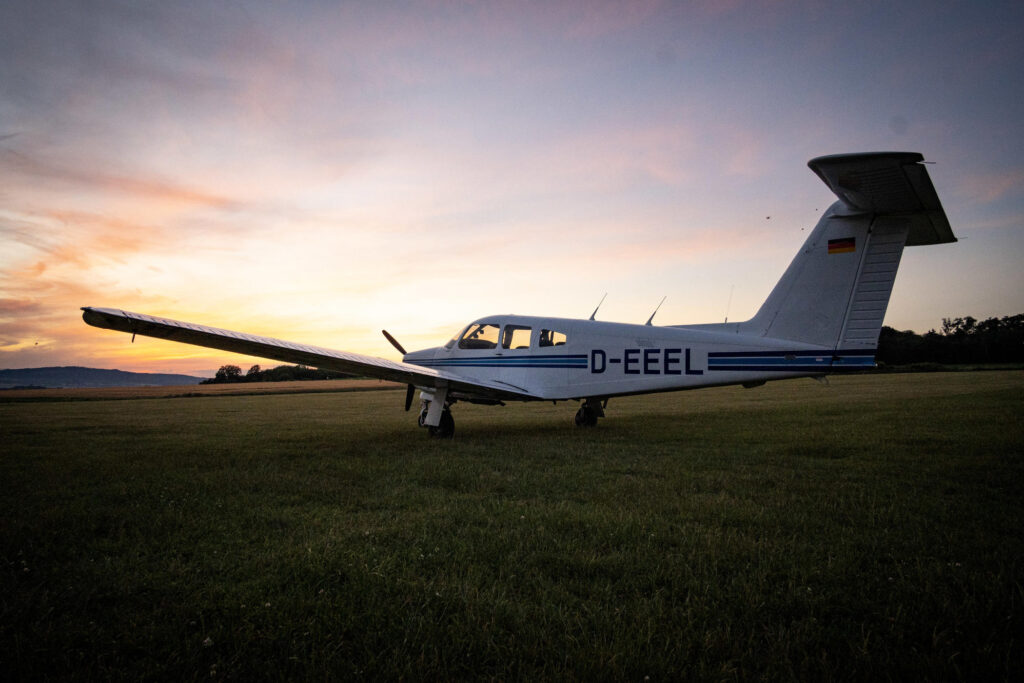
column 292, row 352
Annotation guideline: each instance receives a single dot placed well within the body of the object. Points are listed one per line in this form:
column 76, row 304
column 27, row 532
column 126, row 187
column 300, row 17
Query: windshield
column 480, row 336
column 451, row 342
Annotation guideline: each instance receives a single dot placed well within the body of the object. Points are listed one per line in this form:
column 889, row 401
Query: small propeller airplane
column 824, row 316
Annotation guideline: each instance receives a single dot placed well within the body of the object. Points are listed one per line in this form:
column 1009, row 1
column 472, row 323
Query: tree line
column 282, row 373
column 960, row 341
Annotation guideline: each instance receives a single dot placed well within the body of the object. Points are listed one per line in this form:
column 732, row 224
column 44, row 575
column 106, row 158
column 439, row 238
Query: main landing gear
column 589, row 412
column 445, row 428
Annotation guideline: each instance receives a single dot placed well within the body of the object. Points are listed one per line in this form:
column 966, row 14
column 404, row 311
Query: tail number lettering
column 645, row 362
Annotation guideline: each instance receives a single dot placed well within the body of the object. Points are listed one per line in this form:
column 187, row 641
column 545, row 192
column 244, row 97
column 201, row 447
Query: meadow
column 868, row 530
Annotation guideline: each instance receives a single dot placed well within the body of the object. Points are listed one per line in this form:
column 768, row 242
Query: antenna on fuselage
column 598, row 306
column 656, row 310
column 729, row 305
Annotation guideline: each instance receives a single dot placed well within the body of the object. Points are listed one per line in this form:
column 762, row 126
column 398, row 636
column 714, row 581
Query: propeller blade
column 408, row 397
column 394, row 342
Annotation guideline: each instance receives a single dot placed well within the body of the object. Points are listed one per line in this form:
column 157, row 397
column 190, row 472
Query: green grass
column 869, row 530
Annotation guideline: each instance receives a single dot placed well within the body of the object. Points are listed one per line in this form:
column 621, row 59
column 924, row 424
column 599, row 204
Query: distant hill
column 69, row 377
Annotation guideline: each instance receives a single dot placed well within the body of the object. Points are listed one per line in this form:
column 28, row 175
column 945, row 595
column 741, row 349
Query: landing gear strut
column 589, row 412
column 445, row 428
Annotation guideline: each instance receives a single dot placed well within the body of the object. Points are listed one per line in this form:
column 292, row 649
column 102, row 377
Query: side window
column 516, row 337
column 552, row 338
column 480, row 336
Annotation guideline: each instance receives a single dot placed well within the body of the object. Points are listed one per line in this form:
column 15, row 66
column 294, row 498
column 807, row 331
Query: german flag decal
column 844, row 245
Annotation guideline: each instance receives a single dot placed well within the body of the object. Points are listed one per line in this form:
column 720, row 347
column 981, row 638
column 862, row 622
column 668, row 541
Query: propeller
column 411, row 389
column 394, row 342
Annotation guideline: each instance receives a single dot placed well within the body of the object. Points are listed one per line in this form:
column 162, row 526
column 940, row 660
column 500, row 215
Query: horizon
column 319, row 173
column 86, row 367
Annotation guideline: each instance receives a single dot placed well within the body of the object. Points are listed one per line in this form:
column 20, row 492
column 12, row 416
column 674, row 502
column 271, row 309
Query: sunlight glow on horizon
column 319, row 173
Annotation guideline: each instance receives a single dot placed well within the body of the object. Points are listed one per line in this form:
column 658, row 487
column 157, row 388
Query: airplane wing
column 301, row 354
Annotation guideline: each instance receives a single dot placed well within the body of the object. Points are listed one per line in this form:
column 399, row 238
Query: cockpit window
column 451, row 342
column 552, row 338
column 516, row 337
column 480, row 336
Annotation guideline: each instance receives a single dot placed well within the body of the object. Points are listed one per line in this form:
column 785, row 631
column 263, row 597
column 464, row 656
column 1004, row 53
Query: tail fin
column 836, row 290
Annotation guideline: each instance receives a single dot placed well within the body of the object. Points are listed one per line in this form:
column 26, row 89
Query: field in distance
column 867, row 530
column 191, row 390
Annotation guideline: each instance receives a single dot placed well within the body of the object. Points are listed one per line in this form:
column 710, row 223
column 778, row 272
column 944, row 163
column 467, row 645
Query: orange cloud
column 17, row 307
column 37, row 170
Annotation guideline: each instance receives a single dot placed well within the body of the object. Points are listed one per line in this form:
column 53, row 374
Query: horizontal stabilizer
column 888, row 183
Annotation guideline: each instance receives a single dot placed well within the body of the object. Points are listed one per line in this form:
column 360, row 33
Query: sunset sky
column 319, row 171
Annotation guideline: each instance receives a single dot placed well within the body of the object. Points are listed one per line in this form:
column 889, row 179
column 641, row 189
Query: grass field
column 196, row 390
column 873, row 529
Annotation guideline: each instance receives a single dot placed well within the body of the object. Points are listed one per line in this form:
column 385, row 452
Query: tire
column 446, row 429
column 585, row 417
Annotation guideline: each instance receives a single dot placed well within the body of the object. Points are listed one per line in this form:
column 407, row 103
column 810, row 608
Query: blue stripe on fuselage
column 733, row 361
column 559, row 361
column 791, row 361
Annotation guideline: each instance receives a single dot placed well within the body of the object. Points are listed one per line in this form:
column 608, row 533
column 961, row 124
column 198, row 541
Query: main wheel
column 446, row 429
column 585, row 417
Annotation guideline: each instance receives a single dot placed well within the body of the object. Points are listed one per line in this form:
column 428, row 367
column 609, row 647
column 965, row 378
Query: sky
column 318, row 171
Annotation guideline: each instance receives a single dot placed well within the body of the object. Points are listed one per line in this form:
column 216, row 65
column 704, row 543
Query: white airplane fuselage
column 600, row 359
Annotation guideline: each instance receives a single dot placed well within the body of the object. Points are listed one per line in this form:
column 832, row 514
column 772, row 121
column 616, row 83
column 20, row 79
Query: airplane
column 824, row 316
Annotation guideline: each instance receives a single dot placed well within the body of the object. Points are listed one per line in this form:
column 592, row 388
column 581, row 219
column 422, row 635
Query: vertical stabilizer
column 836, row 290
column 810, row 301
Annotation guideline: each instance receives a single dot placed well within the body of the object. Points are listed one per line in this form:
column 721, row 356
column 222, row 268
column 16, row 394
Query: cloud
column 59, row 238
column 991, row 187
column 18, row 307
column 592, row 20
column 14, row 167
column 322, row 167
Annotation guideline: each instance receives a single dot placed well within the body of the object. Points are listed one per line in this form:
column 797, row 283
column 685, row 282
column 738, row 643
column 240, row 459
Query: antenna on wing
column 656, row 310
column 598, row 306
